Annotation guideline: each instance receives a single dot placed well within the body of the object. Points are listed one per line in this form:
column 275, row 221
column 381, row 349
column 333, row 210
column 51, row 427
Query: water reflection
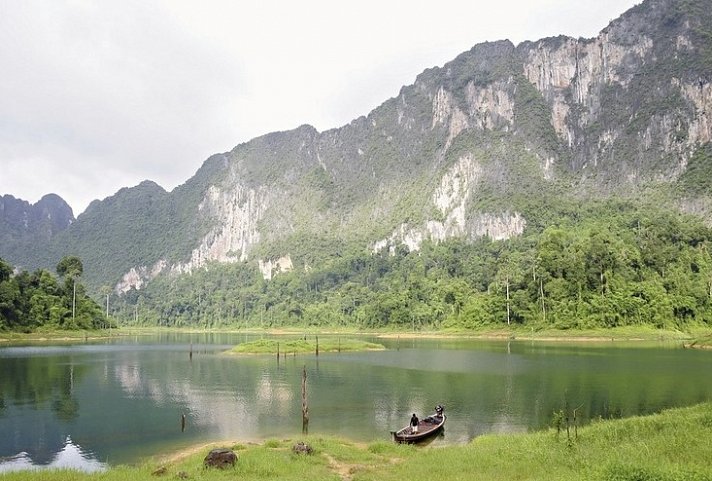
column 70, row 456
column 126, row 399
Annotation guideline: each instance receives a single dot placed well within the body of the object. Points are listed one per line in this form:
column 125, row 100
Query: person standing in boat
column 414, row 424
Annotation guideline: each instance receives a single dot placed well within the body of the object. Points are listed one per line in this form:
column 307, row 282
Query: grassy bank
column 674, row 445
column 298, row 346
column 643, row 332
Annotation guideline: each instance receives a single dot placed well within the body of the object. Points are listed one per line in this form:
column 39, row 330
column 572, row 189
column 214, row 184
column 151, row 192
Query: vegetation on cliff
column 610, row 265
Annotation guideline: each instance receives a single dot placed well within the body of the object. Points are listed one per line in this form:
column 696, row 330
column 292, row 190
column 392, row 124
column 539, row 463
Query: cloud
column 96, row 96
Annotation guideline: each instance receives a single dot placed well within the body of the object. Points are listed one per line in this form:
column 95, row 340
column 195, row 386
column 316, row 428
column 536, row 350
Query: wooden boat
column 427, row 427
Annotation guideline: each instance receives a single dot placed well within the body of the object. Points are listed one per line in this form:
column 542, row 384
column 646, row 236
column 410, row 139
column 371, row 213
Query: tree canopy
column 37, row 299
column 616, row 265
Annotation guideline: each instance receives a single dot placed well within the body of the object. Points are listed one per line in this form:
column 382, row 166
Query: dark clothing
column 414, row 420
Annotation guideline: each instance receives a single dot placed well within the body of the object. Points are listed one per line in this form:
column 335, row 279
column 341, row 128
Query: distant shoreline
column 699, row 338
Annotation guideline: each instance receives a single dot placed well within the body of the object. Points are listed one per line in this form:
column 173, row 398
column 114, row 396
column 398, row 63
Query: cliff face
column 637, row 94
column 463, row 152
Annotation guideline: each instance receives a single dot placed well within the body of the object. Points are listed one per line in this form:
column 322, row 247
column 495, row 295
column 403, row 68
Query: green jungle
column 604, row 265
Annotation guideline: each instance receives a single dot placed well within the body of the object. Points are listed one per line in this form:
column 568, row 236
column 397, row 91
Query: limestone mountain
column 483, row 146
column 24, row 225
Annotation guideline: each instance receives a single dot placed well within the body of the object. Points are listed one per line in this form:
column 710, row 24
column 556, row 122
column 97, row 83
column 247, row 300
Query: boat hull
column 427, row 428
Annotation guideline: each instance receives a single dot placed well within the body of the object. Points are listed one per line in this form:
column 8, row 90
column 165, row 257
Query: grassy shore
column 298, row 346
column 703, row 335
column 674, row 445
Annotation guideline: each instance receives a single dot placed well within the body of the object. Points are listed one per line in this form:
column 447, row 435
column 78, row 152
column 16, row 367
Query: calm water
column 89, row 404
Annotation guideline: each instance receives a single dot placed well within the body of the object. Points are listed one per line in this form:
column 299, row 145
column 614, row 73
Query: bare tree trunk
column 508, row 310
column 74, row 300
column 541, row 292
column 305, row 407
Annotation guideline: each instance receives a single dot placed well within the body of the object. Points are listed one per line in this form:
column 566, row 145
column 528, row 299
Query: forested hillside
column 609, row 265
column 560, row 182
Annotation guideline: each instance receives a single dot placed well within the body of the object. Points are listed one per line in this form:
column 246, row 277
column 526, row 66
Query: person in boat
column 414, row 424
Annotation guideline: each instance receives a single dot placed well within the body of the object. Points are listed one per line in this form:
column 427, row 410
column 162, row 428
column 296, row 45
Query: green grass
column 674, row 445
column 643, row 332
column 701, row 341
column 648, row 333
column 290, row 346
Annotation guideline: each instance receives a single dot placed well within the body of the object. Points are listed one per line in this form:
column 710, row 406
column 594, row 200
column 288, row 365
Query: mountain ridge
column 623, row 114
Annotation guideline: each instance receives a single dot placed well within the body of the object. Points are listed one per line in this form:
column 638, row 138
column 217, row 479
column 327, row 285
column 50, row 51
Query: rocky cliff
column 468, row 150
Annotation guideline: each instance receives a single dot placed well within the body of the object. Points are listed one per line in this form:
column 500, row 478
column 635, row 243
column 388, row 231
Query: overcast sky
column 96, row 95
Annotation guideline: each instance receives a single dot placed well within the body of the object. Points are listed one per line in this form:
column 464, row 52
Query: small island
column 302, row 346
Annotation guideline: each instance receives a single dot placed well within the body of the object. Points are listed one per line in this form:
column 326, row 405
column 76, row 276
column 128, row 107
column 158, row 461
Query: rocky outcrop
column 457, row 187
column 572, row 74
column 491, row 106
column 238, row 212
column 222, row 458
column 270, row 267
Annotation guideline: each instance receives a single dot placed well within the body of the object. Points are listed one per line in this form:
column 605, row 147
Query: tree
column 106, row 292
column 5, row 270
column 71, row 267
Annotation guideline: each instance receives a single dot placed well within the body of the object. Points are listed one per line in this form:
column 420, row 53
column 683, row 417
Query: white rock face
column 488, row 107
column 442, row 107
column 498, row 227
column 700, row 94
column 136, row 277
column 585, row 66
column 237, row 213
column 492, row 104
column 445, row 112
column 451, row 197
column 456, row 188
column 270, row 267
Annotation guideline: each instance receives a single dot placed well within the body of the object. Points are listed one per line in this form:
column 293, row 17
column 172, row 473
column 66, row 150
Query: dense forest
column 608, row 264
column 611, row 264
column 39, row 299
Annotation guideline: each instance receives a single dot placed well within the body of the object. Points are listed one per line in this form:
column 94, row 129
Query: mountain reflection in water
column 71, row 456
column 123, row 399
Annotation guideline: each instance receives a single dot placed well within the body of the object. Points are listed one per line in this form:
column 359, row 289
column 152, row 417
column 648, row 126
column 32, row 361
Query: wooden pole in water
column 277, row 352
column 190, row 355
column 305, row 407
column 182, row 423
column 317, row 346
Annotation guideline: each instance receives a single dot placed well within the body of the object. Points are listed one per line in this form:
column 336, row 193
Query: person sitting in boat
column 414, row 424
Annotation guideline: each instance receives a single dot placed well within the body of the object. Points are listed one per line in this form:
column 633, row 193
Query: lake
column 92, row 404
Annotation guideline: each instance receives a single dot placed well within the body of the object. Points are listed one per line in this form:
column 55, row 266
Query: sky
column 96, row 95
